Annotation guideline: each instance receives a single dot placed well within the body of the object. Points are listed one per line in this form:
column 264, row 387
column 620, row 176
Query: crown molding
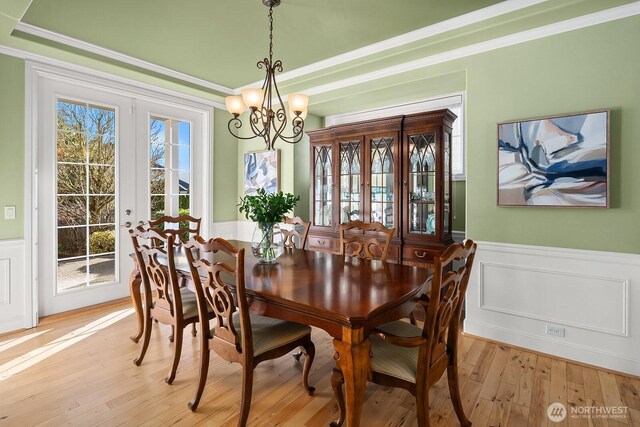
column 41, row 59
column 407, row 38
column 121, row 57
column 572, row 24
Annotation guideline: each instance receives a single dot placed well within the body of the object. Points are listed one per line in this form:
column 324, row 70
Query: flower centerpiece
column 267, row 210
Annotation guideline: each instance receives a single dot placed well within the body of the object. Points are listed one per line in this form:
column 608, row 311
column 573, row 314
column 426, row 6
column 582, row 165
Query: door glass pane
column 382, row 180
column 86, row 185
column 322, row 187
column 422, row 181
column 350, row 181
column 170, row 167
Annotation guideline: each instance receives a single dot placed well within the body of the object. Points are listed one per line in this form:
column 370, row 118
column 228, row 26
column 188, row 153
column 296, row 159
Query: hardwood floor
column 78, row 370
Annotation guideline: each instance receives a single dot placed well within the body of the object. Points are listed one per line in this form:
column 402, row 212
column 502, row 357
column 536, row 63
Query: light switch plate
column 9, row 212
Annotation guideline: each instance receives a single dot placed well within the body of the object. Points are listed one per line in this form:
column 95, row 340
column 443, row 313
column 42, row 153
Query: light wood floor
column 78, row 370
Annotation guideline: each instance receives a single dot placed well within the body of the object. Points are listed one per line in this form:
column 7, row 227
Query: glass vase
column 266, row 243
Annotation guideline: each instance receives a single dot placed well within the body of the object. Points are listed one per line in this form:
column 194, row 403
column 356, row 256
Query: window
column 86, row 195
column 457, row 144
column 170, row 167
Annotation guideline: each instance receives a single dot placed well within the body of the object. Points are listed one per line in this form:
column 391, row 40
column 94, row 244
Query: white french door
column 106, row 162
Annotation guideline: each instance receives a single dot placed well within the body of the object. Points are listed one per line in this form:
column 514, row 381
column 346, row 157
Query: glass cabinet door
column 323, row 185
column 382, row 180
column 422, row 183
column 447, row 183
column 350, row 185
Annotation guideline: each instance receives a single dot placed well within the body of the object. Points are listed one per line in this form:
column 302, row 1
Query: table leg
column 136, row 298
column 353, row 354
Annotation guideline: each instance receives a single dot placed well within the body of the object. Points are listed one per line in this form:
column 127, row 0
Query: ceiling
column 221, row 40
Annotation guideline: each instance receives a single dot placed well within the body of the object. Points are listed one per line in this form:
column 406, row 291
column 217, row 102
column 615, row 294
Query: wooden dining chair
column 413, row 358
column 173, row 305
column 238, row 336
column 298, row 233
column 187, row 226
column 366, row 244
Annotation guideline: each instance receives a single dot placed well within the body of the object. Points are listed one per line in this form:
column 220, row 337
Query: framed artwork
column 560, row 161
column 261, row 170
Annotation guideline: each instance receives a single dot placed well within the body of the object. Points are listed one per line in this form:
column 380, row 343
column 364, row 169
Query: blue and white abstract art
column 556, row 161
column 261, row 171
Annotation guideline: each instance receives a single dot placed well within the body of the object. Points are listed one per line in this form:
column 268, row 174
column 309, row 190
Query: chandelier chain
column 271, row 34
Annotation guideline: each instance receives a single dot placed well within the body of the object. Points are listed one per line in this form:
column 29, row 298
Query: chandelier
column 267, row 117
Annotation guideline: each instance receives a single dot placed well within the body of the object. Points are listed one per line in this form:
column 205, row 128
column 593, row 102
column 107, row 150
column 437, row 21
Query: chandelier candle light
column 268, row 118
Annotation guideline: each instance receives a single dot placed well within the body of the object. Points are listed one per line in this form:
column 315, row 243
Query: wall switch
column 9, row 212
column 555, row 331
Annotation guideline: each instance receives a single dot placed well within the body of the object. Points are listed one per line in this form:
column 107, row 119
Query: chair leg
column 204, row 371
column 310, row 352
column 337, row 383
column 422, row 406
column 146, row 337
column 173, row 333
column 194, row 332
column 454, row 391
column 177, row 351
column 247, row 387
column 297, row 355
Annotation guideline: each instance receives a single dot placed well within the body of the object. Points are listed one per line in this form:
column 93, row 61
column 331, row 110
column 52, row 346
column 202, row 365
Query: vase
column 266, row 243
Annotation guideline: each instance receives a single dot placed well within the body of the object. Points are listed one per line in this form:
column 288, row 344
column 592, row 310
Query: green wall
column 11, row 145
column 592, row 68
column 459, row 205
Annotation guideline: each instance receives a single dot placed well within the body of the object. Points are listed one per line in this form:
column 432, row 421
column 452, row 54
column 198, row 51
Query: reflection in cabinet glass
column 323, row 182
column 382, row 181
column 349, row 181
column 422, row 184
column 447, row 188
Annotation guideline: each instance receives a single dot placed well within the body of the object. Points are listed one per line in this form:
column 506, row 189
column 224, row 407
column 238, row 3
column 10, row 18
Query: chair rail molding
column 13, row 309
column 516, row 292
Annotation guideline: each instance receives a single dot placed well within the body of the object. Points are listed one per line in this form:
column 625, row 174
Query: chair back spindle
column 289, row 237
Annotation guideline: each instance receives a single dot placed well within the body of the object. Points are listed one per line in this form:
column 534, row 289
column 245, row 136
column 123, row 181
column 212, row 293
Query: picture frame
column 554, row 161
column 261, row 170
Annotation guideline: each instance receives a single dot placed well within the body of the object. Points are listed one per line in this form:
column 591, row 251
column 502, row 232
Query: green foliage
column 267, row 208
column 102, row 241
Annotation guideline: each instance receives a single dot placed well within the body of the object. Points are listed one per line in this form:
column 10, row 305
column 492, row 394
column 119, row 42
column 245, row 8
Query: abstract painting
column 558, row 161
column 261, row 171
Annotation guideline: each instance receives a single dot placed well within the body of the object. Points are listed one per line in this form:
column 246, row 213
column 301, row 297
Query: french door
column 106, row 163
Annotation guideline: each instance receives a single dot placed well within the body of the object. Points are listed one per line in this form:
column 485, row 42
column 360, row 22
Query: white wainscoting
column 516, row 291
column 12, row 286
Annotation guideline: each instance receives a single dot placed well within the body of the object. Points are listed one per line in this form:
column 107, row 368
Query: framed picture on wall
column 262, row 170
column 559, row 161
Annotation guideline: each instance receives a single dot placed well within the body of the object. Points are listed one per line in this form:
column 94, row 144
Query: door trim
column 35, row 73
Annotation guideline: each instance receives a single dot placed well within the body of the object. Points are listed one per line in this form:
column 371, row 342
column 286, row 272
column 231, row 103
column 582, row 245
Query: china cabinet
column 396, row 171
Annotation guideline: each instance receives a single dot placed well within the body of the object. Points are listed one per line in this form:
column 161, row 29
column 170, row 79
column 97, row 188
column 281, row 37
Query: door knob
column 127, row 212
column 127, row 224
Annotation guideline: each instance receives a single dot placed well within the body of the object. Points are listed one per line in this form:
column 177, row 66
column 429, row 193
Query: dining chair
column 187, row 226
column 413, row 358
column 237, row 336
column 298, row 233
column 173, row 305
column 360, row 245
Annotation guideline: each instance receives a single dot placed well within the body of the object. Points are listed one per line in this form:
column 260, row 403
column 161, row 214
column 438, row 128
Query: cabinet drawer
column 418, row 254
column 326, row 244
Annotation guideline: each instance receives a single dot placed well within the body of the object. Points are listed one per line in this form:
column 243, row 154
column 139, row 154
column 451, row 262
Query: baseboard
column 516, row 292
column 540, row 344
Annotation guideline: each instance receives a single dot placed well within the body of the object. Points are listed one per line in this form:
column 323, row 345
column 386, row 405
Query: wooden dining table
column 347, row 297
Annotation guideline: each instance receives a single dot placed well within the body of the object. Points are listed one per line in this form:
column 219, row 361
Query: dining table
column 348, row 297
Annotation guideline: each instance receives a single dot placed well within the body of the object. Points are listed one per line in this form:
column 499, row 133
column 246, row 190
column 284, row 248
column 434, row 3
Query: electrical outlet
column 556, row 331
